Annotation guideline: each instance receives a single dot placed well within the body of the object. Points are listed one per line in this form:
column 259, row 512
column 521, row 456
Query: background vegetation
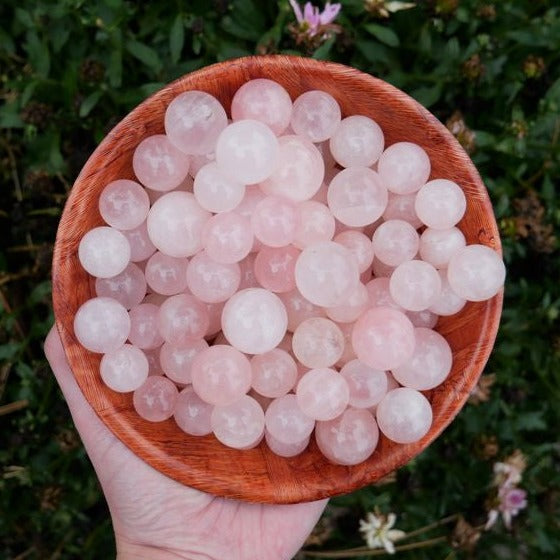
column 71, row 69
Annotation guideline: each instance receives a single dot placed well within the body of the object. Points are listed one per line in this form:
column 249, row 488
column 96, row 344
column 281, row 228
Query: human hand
column 156, row 518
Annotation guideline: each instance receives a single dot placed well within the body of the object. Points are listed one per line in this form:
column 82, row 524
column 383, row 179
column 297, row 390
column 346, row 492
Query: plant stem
column 431, row 526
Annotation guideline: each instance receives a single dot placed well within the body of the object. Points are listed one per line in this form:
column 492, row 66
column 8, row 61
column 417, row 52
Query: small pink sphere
column 415, row 285
column 285, row 449
column 247, row 268
column 220, row 374
column 215, row 190
column 299, row 172
column 359, row 245
column 274, row 268
column 437, row 246
column 211, row 281
column 348, row 355
column 349, row 439
column 166, row 275
column 448, row 302
column 322, row 394
column 227, row 237
column 155, row 399
column 101, row 325
column 176, row 361
column 141, row 247
column 274, row 373
column 315, row 223
column 128, row 287
column 254, row 321
column 440, row 204
column 395, row 242
column 299, row 309
column 476, row 273
column 265, row 101
column 318, row 343
column 352, row 308
column 239, row 425
column 315, row 115
column 159, row 164
column 192, row 414
column 247, row 151
column 175, row 224
column 404, row 415
column 357, row 142
column 104, row 252
column 383, row 338
column 193, row 122
column 367, row 385
column 182, row 319
column 379, row 293
column 424, row 318
column 286, row 422
column 274, row 221
column 404, row 167
column 144, row 332
column 429, row 365
column 124, row 204
column 124, row 369
column 326, row 273
column 357, row 197
column 401, row 207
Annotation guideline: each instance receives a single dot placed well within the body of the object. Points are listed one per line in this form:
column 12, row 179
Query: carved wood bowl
column 258, row 475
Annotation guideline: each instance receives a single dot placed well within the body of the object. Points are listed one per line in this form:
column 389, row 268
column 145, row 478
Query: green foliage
column 70, row 70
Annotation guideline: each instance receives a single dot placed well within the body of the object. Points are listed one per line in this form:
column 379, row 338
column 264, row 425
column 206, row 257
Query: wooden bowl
column 258, row 475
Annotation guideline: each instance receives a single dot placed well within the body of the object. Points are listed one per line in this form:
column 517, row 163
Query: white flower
column 377, row 531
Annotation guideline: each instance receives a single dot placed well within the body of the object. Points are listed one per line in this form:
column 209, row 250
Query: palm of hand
column 152, row 511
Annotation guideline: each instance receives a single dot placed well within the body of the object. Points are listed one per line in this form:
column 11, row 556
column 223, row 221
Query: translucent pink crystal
column 247, row 268
column 401, row 207
column 182, row 318
column 141, row 247
column 144, row 332
column 367, row 385
column 299, row 309
column 448, row 302
column 215, row 190
column 128, row 287
column 424, row 318
column 155, row 399
column 395, row 242
column 352, row 308
column 315, row 115
column 315, row 223
column 404, row 167
column 379, row 294
column 318, row 343
column 274, row 221
column 274, row 268
column 227, row 237
column 437, row 246
column 285, row 421
column 176, row 361
column 192, row 414
column 415, row 285
column 124, row 369
column 285, row 449
column 440, row 204
column 274, row 373
column 166, row 275
column 124, row 204
column 322, row 394
column 104, row 252
column 359, row 245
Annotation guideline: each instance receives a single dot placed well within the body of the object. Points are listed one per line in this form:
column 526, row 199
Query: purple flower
column 311, row 19
column 510, row 501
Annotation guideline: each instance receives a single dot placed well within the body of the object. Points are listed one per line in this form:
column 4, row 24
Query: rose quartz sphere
column 248, row 278
column 264, row 101
column 153, row 362
column 240, row 424
column 395, row 242
column 448, row 302
column 315, row 115
column 437, row 246
column 379, row 293
column 429, row 365
column 440, row 204
column 247, row 151
column 380, row 269
column 158, row 164
column 404, row 167
column 285, row 449
column 322, row 394
column 124, row 369
column 359, row 245
column 193, row 122
column 192, row 414
column 349, row 439
column 254, row 321
column 227, row 237
column 357, row 197
column 352, row 308
column 199, row 161
column 299, row 172
column 285, row 421
column 215, row 190
column 144, row 332
column 415, row 285
column 404, row 415
column 318, row 343
column 182, row 318
column 274, row 221
column 175, row 224
column 476, row 273
column 166, row 275
column 424, row 318
column 367, row 385
column 128, row 287
column 326, row 273
column 357, row 142
column 101, row 325
column 274, row 373
column 104, row 252
column 299, row 309
column 315, row 224
column 220, row 374
column 383, row 338
column 155, row 399
column 141, row 247
column 274, row 268
column 124, row 204
column 211, row 281
column 401, row 207
column 176, row 360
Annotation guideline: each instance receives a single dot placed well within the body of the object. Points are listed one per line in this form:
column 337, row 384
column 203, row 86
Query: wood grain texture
column 258, row 475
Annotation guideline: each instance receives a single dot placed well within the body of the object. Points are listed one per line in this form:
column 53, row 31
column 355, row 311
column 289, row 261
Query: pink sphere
column 192, row 414
column 440, row 204
column 154, row 367
column 425, row 318
column 367, row 385
column 448, row 302
column 299, row 309
column 315, row 115
column 274, row 268
column 144, row 332
column 215, row 190
column 395, row 242
column 359, row 245
column 176, row 361
column 352, row 308
column 383, row 338
column 322, row 394
column 247, row 268
column 227, row 237
column 404, row 167
column 274, row 373
column 286, row 422
column 437, row 246
column 318, row 343
column 166, row 275
column 104, row 252
column 124, row 369
column 401, row 207
column 128, row 287
column 124, row 204
column 379, row 293
column 141, row 247
column 357, row 142
column 274, row 221
column 211, row 281
column 182, row 319
column 285, row 449
column 315, row 223
column 155, row 399
column 214, row 318
column 415, row 285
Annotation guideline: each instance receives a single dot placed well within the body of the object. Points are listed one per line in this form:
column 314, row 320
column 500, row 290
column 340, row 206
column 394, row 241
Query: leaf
column 383, row 34
column 114, row 70
column 427, row 95
column 89, row 103
column 176, row 38
column 9, row 116
column 144, row 54
column 9, row 350
column 38, row 54
column 24, row 18
column 322, row 53
column 246, row 20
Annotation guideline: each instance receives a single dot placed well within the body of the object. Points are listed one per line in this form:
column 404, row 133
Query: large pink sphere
column 274, row 221
column 101, row 325
column 274, row 268
column 285, row 449
column 415, row 285
column 401, row 207
column 128, row 287
column 175, row 224
column 265, row 101
column 211, row 281
column 352, row 308
column 315, row 115
column 440, row 204
column 322, row 394
column 299, row 309
column 254, row 321
column 274, row 373
column 285, row 421
column 144, row 332
column 155, row 399
column 326, row 273
column 448, row 302
column 404, row 167
column 357, row 142
column 379, row 293
column 247, row 151
column 166, row 275
column 315, row 223
column 176, row 361
column 124, row 204
column 227, row 237
column 359, row 245
column 192, row 414
column 182, row 319
column 141, row 247
column 367, row 385
column 383, row 338
column 104, row 252
column 437, row 246
column 215, row 190
column 476, row 273
column 193, row 122
column 349, row 439
column 404, row 415
column 395, row 242
column 318, row 343
column 357, row 197
column 124, row 369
